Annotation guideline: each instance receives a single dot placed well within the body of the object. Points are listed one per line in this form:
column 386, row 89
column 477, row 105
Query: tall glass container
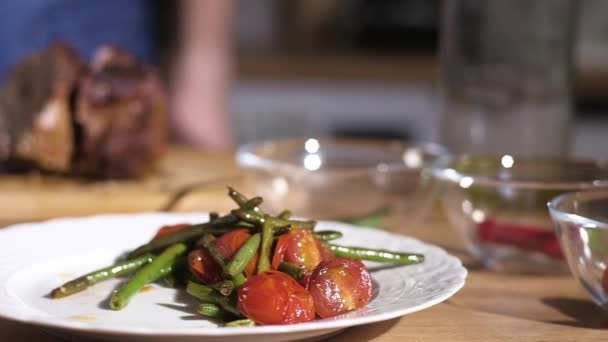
column 506, row 84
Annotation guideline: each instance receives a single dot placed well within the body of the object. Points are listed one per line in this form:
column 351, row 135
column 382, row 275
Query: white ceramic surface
column 36, row 257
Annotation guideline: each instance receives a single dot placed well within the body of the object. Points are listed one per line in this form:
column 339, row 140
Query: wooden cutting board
column 34, row 196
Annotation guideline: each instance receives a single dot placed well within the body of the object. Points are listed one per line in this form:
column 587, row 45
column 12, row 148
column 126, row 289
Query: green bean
column 206, row 240
column 199, row 290
column 258, row 218
column 236, row 196
column 209, row 310
column 147, row 274
column 279, row 222
column 328, row 235
column 224, row 287
column 285, row 215
column 239, row 280
column 118, row 269
column 208, row 295
column 281, row 230
column 176, row 273
column 244, row 203
column 221, row 225
column 249, row 210
column 379, row 255
column 252, row 204
column 295, row 271
column 213, row 311
column 240, row 323
column 371, row 220
column 249, row 216
column 245, row 225
column 243, row 256
column 267, row 238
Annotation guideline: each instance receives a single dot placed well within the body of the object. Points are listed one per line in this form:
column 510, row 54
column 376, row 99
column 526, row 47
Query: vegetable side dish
column 248, row 268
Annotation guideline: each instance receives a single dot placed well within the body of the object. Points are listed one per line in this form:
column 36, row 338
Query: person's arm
column 201, row 74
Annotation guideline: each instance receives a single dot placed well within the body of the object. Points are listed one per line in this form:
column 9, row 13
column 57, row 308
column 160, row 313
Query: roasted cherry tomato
column 304, row 281
column 326, row 254
column 203, row 267
column 298, row 246
column 339, row 285
column 273, row 297
column 229, row 243
column 166, row 230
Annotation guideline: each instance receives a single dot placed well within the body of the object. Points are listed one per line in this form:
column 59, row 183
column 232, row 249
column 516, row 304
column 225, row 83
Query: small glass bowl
column 581, row 225
column 333, row 178
column 498, row 205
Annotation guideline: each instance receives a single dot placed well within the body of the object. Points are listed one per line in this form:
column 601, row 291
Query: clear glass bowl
column 498, row 205
column 581, row 224
column 335, row 178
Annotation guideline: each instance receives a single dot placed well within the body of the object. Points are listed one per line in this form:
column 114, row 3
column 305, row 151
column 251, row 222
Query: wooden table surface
column 491, row 306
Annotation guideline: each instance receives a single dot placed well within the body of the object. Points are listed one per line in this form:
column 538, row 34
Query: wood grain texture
column 491, row 306
column 35, row 197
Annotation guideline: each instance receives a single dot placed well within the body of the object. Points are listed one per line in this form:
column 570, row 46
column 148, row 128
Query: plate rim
column 54, row 322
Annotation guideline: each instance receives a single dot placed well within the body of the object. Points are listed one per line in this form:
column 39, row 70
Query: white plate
column 36, row 257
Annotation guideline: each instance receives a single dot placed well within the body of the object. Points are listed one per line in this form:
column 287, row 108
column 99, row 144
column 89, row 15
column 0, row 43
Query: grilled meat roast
column 35, row 114
column 104, row 120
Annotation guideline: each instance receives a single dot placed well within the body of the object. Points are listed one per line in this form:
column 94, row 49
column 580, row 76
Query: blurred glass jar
column 581, row 224
column 498, row 206
column 507, row 76
column 339, row 178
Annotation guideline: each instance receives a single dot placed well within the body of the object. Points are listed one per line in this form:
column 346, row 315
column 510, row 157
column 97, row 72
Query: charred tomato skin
column 273, row 297
column 203, row 267
column 339, row 285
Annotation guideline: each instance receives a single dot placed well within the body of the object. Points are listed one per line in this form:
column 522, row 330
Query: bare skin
column 201, row 75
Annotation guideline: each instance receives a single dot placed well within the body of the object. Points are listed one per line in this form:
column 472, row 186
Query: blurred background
column 370, row 68
column 272, row 68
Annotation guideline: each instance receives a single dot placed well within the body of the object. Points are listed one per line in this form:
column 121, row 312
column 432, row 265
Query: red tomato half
column 340, row 285
column 298, row 246
column 203, row 267
column 273, row 297
column 166, row 230
column 326, row 254
column 229, row 243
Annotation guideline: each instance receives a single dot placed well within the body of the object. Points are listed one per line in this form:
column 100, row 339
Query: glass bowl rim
column 560, row 215
column 247, row 157
column 441, row 170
